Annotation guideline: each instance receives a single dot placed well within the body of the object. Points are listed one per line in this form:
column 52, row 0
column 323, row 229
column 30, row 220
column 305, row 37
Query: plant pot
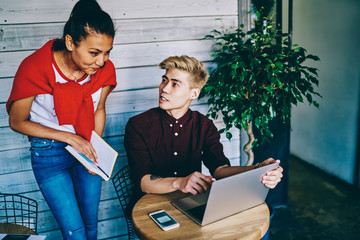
column 278, row 148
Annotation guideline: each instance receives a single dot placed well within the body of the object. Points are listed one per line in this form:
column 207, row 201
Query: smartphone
column 163, row 220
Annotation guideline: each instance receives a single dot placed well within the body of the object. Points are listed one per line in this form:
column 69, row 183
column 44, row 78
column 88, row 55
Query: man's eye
column 175, row 84
column 94, row 53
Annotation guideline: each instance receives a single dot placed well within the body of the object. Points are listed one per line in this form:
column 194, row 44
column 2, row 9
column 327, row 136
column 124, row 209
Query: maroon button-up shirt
column 158, row 144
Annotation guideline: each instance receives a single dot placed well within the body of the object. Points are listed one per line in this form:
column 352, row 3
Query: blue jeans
column 72, row 193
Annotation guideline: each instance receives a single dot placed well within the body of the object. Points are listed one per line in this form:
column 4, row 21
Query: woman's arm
column 100, row 113
column 19, row 122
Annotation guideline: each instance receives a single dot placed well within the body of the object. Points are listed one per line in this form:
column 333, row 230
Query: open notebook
column 106, row 157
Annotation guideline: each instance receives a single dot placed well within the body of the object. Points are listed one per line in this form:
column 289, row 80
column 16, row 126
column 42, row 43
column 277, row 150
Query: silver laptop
column 227, row 196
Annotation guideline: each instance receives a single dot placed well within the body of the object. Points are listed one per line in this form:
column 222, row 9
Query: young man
column 166, row 145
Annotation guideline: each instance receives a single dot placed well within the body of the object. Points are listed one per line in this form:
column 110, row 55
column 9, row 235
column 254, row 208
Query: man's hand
column 195, row 183
column 273, row 177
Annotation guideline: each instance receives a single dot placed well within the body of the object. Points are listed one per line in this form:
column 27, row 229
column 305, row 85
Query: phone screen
column 164, row 220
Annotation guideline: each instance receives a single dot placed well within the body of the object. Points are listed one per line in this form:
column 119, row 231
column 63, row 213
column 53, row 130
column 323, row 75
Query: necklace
column 74, row 76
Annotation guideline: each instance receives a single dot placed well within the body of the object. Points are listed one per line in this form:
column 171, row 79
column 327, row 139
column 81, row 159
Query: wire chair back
column 18, row 210
column 124, row 189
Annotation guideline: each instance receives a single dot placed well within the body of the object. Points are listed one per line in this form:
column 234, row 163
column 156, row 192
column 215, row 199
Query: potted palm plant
column 257, row 79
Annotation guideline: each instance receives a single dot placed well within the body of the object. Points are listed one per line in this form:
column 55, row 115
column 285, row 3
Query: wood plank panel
column 56, row 234
column 18, row 182
column 109, row 209
column 116, row 123
column 12, row 140
column 142, row 77
column 6, row 85
column 115, row 126
column 17, row 160
column 131, row 55
column 30, row 36
column 148, row 32
column 17, row 37
column 107, row 193
column 145, row 54
column 118, row 102
column 19, row 11
column 127, row 78
column 112, row 228
column 118, row 113
column 136, row 101
column 48, row 220
column 4, row 118
column 24, row 181
column 230, row 148
column 132, row 101
column 111, row 222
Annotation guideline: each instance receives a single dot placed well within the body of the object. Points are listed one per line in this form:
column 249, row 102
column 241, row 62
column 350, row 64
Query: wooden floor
column 319, row 207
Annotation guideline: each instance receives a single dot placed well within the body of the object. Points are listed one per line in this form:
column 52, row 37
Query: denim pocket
column 46, row 153
column 39, row 144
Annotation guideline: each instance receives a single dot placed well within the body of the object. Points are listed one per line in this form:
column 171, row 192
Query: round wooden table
column 250, row 224
column 11, row 228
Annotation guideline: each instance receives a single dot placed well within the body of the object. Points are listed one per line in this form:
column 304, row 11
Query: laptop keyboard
column 198, row 211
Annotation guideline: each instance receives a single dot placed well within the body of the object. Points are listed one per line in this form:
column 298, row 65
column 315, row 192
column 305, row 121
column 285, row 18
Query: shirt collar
column 170, row 119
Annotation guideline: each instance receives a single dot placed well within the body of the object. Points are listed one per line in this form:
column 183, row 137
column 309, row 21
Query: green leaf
column 279, row 64
column 313, row 57
column 316, row 104
column 270, row 89
column 228, row 135
column 214, row 115
column 222, row 130
column 256, row 79
column 309, row 98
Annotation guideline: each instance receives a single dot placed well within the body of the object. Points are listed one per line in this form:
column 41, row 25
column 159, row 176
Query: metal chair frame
column 124, row 189
column 18, row 210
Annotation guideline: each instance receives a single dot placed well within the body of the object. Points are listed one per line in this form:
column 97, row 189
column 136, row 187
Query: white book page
column 106, row 157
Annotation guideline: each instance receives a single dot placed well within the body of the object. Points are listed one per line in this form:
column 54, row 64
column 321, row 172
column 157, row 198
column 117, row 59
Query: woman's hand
column 19, row 122
column 83, row 146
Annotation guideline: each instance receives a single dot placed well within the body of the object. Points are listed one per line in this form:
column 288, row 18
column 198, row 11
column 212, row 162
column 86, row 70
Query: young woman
column 58, row 98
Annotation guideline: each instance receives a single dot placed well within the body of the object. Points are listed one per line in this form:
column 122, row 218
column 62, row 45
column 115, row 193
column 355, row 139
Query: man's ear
column 195, row 92
column 69, row 43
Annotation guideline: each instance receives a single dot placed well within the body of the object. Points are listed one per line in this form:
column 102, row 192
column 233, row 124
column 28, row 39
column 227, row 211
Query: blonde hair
column 199, row 75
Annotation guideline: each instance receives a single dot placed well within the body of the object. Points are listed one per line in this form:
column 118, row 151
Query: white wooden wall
column 147, row 33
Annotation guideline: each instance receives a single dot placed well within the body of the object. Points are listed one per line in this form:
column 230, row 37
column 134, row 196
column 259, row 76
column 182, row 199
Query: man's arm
column 271, row 179
column 194, row 183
